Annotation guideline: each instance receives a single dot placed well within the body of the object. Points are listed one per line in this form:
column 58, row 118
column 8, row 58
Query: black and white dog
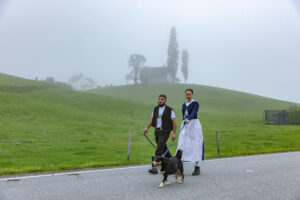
column 167, row 166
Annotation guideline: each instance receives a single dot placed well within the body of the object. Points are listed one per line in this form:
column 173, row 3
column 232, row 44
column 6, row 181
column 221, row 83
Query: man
column 164, row 121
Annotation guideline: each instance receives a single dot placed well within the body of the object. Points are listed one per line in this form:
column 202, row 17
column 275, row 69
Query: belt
column 161, row 130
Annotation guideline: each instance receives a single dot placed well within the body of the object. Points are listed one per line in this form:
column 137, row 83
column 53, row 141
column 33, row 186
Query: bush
column 295, row 116
column 62, row 84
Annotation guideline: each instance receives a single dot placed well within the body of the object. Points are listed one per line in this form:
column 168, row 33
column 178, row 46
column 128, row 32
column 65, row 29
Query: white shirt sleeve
column 172, row 115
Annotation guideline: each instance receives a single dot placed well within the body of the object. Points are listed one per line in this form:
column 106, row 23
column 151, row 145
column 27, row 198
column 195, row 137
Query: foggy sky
column 250, row 45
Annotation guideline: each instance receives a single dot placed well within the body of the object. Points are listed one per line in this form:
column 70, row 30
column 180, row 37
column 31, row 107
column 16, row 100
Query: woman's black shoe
column 197, row 171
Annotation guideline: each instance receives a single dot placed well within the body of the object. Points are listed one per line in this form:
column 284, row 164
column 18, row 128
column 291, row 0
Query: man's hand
column 145, row 130
column 174, row 136
column 147, row 126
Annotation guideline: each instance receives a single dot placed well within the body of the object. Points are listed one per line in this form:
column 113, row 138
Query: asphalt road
column 272, row 176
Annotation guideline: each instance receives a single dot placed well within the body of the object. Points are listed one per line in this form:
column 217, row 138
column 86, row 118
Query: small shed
column 277, row 116
column 154, row 75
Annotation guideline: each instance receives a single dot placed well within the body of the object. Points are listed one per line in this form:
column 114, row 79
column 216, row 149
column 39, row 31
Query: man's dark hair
column 164, row 96
column 190, row 89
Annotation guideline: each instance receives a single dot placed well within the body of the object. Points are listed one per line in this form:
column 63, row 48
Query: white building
column 81, row 82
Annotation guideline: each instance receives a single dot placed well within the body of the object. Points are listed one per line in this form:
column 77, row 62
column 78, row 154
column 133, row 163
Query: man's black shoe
column 153, row 170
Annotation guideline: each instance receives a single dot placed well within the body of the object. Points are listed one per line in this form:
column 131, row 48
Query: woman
column 191, row 137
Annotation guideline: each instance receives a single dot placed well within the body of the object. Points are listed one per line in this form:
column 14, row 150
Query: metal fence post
column 129, row 143
column 218, row 143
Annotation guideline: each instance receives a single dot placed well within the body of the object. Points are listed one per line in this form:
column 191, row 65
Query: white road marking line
column 249, row 171
column 254, row 155
column 135, row 167
column 25, row 177
column 71, row 173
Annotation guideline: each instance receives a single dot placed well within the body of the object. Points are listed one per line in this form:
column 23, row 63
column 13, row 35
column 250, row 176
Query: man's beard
column 162, row 105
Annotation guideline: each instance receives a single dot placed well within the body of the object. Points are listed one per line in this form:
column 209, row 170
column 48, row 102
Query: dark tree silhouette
column 135, row 62
column 172, row 62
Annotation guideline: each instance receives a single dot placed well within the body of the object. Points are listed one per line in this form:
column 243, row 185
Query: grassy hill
column 45, row 127
column 237, row 116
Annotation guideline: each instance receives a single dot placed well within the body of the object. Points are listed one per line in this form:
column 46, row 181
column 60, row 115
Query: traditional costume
column 162, row 122
column 191, row 138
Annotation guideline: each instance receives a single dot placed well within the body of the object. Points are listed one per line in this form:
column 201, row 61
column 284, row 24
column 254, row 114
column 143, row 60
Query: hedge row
column 295, row 117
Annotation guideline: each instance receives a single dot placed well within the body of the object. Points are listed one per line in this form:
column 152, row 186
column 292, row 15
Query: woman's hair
column 190, row 89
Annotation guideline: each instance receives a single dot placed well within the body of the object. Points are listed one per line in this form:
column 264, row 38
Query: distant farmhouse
column 155, row 75
column 81, row 82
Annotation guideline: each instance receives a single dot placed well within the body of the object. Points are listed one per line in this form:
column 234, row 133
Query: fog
column 251, row 45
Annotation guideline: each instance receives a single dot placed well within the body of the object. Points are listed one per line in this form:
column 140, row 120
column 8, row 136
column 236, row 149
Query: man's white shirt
column 160, row 112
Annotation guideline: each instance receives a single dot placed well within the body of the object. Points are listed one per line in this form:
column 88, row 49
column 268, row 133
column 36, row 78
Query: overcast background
column 246, row 45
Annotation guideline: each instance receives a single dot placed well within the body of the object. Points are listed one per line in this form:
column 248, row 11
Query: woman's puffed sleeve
column 194, row 111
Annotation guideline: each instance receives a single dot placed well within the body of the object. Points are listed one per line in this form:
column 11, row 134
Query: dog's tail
column 179, row 154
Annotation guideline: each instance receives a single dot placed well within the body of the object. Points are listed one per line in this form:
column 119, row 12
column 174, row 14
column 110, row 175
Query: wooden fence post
column 218, row 143
column 129, row 143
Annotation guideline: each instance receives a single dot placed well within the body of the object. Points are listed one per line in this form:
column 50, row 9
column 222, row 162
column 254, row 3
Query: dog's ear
column 179, row 154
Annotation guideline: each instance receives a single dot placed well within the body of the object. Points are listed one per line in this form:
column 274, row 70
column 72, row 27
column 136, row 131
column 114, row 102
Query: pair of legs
column 161, row 138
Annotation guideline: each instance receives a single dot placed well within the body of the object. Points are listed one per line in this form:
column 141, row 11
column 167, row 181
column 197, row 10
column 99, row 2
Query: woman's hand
column 187, row 121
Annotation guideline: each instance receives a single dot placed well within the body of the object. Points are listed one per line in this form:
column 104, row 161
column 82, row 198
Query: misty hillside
column 47, row 127
column 210, row 98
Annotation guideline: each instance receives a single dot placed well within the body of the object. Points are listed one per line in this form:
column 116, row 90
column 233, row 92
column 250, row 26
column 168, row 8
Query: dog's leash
column 174, row 140
column 150, row 141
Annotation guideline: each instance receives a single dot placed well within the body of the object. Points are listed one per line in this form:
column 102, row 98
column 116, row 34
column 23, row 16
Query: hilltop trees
column 128, row 77
column 172, row 61
column 184, row 66
column 135, row 62
column 53, row 81
column 165, row 73
column 50, row 80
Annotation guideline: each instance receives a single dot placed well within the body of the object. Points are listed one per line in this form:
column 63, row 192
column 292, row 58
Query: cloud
column 296, row 5
column 3, row 4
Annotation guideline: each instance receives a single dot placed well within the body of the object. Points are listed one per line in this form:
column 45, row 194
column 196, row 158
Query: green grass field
column 44, row 127
column 237, row 116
